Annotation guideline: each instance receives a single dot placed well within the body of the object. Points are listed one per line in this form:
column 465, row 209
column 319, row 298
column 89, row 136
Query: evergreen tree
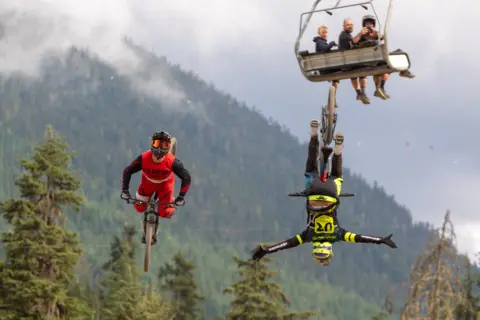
column 122, row 279
column 153, row 307
column 40, row 254
column 256, row 296
column 470, row 308
column 380, row 316
column 178, row 281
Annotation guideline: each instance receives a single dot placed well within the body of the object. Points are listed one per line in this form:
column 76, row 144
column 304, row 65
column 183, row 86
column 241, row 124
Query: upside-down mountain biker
column 322, row 195
column 158, row 166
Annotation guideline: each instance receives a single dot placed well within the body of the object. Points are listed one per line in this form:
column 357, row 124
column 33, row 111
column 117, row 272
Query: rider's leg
column 337, row 155
column 165, row 194
column 311, row 166
column 144, row 193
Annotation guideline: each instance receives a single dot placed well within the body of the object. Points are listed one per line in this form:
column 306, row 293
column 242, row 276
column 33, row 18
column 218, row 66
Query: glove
column 179, row 201
column 125, row 195
column 388, row 241
column 258, row 253
column 333, row 44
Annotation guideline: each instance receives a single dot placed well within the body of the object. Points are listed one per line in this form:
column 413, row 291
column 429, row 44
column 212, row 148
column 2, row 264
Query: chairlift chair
column 372, row 59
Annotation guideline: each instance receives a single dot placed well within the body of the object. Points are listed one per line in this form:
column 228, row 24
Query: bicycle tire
column 173, row 149
column 329, row 114
column 148, row 246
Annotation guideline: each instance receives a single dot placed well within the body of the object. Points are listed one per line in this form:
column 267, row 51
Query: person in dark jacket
column 323, row 46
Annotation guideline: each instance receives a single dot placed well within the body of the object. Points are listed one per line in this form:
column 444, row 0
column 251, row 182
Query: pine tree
column 122, row 279
column 153, row 307
column 40, row 253
column 256, row 296
column 469, row 308
column 179, row 282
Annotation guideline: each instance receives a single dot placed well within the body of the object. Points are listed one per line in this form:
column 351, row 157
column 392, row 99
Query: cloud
column 34, row 29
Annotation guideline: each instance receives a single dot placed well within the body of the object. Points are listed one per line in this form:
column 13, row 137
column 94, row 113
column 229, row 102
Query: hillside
column 242, row 166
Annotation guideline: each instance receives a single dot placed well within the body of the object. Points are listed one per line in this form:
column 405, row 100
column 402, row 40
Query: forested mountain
column 242, row 164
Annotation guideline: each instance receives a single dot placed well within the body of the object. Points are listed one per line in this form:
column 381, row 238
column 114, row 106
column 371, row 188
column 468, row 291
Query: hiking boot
column 338, row 138
column 363, row 97
column 314, row 124
column 380, row 94
column 407, row 74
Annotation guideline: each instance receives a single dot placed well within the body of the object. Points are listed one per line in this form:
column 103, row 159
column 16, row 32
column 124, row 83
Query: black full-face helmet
column 161, row 143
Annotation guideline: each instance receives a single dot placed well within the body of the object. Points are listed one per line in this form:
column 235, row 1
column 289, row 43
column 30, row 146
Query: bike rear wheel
column 329, row 115
column 148, row 246
column 173, row 148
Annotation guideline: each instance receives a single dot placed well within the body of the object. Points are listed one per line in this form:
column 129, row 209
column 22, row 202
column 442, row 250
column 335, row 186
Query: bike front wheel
column 148, row 246
column 328, row 116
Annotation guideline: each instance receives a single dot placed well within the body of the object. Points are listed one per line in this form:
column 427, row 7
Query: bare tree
column 434, row 287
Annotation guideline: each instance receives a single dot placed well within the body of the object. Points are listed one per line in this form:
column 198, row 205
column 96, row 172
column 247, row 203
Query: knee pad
column 166, row 211
column 141, row 207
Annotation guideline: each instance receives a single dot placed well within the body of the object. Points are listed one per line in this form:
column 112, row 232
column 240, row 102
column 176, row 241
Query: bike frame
column 150, row 216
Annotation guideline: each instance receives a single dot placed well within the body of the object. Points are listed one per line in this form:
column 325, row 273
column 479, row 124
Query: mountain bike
column 150, row 224
column 329, row 117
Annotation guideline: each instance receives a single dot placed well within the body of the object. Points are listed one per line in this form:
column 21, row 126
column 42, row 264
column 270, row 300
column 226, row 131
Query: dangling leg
column 337, row 155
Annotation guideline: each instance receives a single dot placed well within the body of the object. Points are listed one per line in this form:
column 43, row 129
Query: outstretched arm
column 132, row 168
column 260, row 251
column 360, row 238
column 183, row 174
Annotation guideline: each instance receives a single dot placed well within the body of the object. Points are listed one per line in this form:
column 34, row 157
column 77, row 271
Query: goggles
column 160, row 144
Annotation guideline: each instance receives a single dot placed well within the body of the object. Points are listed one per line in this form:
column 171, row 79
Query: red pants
column 165, row 194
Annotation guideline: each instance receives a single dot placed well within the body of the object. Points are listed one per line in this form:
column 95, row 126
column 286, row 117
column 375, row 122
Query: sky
column 420, row 145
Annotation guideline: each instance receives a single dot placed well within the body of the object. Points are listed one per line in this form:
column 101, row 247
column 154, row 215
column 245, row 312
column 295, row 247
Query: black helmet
column 370, row 18
column 323, row 191
column 161, row 143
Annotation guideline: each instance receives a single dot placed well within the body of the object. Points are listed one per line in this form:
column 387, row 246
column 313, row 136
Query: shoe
column 380, row 94
column 314, row 124
column 363, row 97
column 338, row 138
column 407, row 74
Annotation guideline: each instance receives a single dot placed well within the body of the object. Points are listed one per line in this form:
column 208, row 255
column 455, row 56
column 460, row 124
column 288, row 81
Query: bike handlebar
column 300, row 194
column 151, row 202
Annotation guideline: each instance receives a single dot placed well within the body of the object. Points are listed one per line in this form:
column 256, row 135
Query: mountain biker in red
column 158, row 166
column 322, row 195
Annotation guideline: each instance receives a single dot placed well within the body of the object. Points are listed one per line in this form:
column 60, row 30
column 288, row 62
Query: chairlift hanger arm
column 336, row 7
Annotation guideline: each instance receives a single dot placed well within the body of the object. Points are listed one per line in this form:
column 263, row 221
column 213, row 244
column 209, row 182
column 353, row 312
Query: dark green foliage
column 40, row 254
column 257, row 296
column 470, row 310
column 122, row 284
column 178, row 281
